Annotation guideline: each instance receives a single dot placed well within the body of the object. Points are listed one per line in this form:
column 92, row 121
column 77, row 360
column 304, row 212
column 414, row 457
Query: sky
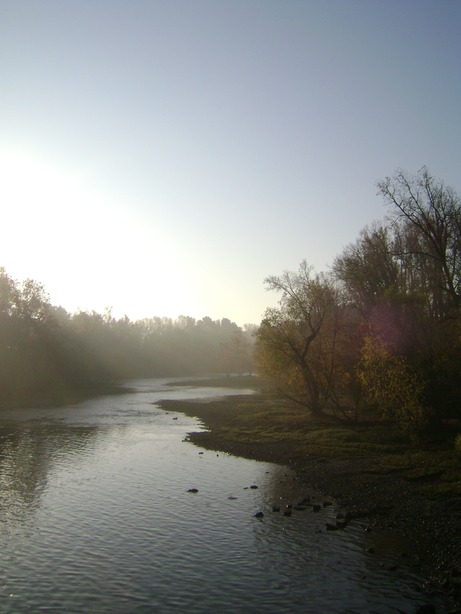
column 162, row 158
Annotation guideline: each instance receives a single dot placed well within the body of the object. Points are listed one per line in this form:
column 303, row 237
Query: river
column 96, row 516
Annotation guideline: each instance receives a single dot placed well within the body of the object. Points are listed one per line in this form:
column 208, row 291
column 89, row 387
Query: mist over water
column 96, row 517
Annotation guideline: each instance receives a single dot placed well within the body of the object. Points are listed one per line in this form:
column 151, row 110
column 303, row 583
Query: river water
column 96, row 516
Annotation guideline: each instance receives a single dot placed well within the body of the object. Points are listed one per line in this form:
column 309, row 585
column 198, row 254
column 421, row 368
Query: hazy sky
column 164, row 157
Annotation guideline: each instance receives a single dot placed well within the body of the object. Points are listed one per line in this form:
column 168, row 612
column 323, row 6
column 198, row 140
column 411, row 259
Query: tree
column 391, row 386
column 296, row 343
column 433, row 210
column 236, row 353
column 383, row 283
column 426, row 216
column 367, row 268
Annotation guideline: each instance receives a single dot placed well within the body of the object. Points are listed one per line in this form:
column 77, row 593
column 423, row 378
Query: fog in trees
column 49, row 355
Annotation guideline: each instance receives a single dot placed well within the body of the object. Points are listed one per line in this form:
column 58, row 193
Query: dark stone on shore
column 253, row 486
column 276, row 508
column 259, row 515
column 331, row 527
column 193, row 490
column 342, row 520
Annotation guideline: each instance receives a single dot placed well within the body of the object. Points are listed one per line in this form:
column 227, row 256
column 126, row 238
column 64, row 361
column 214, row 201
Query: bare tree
column 367, row 269
column 296, row 342
column 433, row 210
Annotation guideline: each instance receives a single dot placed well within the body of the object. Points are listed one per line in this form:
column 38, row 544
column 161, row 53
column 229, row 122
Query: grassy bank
column 267, row 422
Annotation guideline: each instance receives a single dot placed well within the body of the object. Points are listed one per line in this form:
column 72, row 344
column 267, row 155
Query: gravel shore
column 385, row 500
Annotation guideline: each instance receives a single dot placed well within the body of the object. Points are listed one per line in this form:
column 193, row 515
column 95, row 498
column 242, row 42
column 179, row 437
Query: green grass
column 264, row 419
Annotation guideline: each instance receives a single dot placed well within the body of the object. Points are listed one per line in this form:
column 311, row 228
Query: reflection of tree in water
column 28, row 452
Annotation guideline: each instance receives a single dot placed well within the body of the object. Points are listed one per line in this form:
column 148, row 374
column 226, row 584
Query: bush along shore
column 371, row 470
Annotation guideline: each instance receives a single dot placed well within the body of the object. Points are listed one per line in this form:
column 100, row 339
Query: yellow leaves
column 390, row 385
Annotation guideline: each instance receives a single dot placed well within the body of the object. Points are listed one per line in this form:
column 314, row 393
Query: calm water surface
column 95, row 516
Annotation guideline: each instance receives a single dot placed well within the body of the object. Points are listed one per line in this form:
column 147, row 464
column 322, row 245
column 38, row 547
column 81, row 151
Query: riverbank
column 371, row 471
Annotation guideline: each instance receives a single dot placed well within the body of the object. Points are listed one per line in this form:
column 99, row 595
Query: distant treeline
column 379, row 335
column 47, row 354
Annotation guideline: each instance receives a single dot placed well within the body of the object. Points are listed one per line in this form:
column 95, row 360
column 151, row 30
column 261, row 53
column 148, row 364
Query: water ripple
column 97, row 517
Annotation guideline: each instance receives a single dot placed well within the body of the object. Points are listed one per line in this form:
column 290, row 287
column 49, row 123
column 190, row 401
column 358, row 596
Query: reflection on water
column 26, row 458
column 96, row 517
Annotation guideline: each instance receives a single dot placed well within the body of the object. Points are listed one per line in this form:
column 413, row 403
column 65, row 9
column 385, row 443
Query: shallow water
column 95, row 516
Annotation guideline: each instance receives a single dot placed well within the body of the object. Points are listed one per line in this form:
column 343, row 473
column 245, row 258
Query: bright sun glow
column 87, row 253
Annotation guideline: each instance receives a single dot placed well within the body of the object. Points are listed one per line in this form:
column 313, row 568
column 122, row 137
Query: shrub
column 458, row 444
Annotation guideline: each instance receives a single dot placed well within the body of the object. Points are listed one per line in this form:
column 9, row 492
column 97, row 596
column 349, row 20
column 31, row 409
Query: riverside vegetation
column 379, row 336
